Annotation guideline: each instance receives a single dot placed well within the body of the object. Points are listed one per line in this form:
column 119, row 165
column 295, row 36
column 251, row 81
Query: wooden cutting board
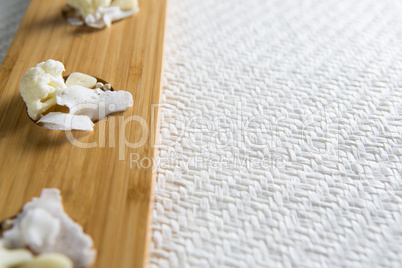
column 108, row 187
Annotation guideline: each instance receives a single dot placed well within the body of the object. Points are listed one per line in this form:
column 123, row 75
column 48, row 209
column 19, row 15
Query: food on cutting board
column 9, row 258
column 44, row 229
column 23, row 258
column 87, row 99
column 99, row 13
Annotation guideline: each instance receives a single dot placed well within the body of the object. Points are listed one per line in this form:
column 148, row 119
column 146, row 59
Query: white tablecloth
column 281, row 133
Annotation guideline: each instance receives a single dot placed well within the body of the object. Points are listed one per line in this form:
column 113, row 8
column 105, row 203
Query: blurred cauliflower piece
column 86, row 7
column 44, row 227
column 38, row 87
column 104, row 16
column 101, row 13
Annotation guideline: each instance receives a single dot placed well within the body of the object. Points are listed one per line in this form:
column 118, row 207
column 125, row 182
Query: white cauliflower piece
column 104, row 16
column 85, row 105
column 43, row 87
column 44, row 227
column 41, row 229
column 87, row 7
column 62, row 121
column 94, row 103
column 38, row 87
column 101, row 13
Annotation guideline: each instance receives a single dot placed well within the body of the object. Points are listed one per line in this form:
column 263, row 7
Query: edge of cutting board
column 110, row 198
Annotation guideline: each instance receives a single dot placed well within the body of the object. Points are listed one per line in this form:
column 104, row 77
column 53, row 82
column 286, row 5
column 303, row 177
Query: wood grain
column 102, row 190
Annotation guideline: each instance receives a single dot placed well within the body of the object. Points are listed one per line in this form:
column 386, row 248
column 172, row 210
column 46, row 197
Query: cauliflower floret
column 38, row 87
column 43, row 87
column 104, row 16
column 101, row 13
column 85, row 105
column 86, row 7
column 44, row 227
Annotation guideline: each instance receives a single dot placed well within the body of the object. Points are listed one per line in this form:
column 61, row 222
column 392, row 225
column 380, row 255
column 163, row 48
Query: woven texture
column 280, row 136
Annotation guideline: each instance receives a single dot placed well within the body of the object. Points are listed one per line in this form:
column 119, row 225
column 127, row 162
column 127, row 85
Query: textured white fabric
column 281, row 134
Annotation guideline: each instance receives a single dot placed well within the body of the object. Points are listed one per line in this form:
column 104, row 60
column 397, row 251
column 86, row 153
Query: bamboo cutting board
column 108, row 187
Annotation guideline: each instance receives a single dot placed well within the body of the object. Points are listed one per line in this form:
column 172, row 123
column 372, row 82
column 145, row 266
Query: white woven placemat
column 283, row 142
column 281, row 133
